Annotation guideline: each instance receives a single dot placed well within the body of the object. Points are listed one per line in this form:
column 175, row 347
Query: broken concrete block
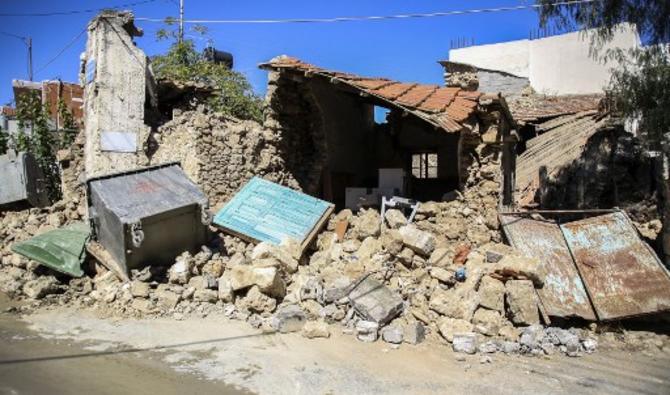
column 492, row 294
column 367, row 331
column 267, row 279
column 395, row 218
column 288, row 318
column 414, row 333
column 533, row 336
column 225, row 289
column 520, row 267
column 522, row 302
column 487, row 322
column 206, row 295
column 283, row 254
column 590, row 345
column 392, row 334
column 448, row 327
column 369, row 247
column 180, row 272
column 336, row 288
column 167, row 299
column 392, row 241
column 256, row 301
column 375, row 302
column 488, row 347
column 368, row 224
column 509, row 333
column 41, row 287
column 314, row 329
column 405, row 257
column 459, row 302
column 311, row 289
column 510, row 347
column 442, row 275
column 421, row 242
column 440, row 257
column 143, row 305
column 465, row 343
column 139, row 289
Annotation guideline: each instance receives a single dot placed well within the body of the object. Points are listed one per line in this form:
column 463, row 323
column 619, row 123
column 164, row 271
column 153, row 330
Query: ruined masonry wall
column 219, row 153
column 114, row 98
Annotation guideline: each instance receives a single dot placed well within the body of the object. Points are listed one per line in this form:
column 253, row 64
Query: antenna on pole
column 29, row 42
column 181, row 20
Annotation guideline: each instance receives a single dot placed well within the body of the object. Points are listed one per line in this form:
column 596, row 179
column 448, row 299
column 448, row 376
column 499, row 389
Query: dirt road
column 66, row 351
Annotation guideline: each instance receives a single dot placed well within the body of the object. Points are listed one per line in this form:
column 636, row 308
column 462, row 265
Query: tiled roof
column 538, row 107
column 446, row 108
column 7, row 111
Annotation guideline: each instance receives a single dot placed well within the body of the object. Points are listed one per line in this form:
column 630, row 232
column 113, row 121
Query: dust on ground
column 212, row 354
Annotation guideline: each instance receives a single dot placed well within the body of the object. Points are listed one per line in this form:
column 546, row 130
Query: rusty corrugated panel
column 624, row 277
column 563, row 294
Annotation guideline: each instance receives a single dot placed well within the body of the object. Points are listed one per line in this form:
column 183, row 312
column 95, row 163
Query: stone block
column 375, row 302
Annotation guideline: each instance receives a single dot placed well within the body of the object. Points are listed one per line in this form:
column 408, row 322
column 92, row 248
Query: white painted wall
column 511, row 57
column 556, row 65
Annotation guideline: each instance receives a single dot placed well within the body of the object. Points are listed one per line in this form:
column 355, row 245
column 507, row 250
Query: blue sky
column 400, row 49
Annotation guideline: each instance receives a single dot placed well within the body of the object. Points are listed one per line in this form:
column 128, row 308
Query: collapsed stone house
column 320, row 136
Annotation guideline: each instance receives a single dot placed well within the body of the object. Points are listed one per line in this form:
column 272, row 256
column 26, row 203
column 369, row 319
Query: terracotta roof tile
column 371, row 83
column 394, row 91
column 444, row 107
column 439, row 100
column 416, row 95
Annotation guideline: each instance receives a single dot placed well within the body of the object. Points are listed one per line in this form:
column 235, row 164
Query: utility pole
column 29, row 42
column 181, row 20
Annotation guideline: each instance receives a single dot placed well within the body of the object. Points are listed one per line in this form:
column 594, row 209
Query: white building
column 556, row 65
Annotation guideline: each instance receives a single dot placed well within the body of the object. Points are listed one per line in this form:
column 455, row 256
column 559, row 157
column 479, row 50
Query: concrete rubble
column 356, row 284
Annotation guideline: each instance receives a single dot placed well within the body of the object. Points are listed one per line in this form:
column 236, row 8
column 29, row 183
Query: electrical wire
column 65, row 48
column 369, row 17
column 72, row 12
column 13, row 35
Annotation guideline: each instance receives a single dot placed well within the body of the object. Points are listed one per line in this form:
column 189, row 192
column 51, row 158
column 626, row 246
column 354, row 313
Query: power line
column 65, row 48
column 13, row 35
column 72, row 12
column 369, row 17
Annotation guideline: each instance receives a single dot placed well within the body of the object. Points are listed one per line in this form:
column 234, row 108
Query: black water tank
column 216, row 56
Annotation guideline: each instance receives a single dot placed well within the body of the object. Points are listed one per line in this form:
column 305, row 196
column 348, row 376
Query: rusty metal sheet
column 563, row 294
column 624, row 277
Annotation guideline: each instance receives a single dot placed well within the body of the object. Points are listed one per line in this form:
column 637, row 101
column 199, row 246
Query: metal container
column 147, row 216
column 21, row 180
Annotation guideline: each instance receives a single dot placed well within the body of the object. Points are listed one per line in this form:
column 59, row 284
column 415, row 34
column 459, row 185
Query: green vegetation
column 35, row 136
column 69, row 130
column 184, row 63
column 4, row 141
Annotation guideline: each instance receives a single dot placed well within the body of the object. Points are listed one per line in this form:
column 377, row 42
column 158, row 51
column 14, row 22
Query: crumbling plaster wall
column 114, row 75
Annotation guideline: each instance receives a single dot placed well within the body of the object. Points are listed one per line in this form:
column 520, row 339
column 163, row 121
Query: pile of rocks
column 443, row 278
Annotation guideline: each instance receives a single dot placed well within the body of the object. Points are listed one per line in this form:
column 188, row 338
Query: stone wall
column 220, row 153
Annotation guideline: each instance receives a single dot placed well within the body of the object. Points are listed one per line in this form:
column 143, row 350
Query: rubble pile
column 19, row 274
column 220, row 153
column 384, row 281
